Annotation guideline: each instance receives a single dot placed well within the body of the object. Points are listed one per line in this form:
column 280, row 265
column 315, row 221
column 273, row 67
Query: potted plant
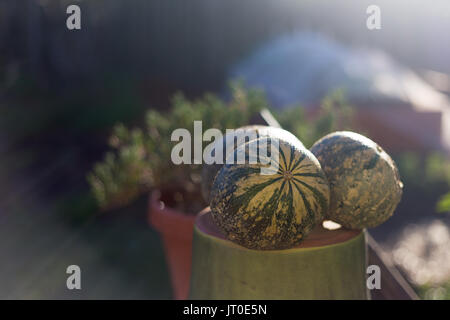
column 140, row 162
column 263, row 237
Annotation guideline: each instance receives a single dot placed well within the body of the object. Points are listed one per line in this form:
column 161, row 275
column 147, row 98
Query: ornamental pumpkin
column 209, row 171
column 274, row 211
column 365, row 186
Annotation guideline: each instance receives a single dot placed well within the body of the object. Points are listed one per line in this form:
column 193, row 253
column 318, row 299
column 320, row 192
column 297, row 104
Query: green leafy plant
column 140, row 158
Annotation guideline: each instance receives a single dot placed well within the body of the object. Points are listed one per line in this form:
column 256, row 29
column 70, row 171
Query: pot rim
column 168, row 220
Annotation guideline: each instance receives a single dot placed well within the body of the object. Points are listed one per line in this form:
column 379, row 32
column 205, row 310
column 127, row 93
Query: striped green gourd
column 209, row 171
column 270, row 211
column 364, row 181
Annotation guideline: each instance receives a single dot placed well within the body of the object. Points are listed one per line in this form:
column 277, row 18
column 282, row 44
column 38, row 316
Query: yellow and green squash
column 209, row 171
column 273, row 211
column 364, row 181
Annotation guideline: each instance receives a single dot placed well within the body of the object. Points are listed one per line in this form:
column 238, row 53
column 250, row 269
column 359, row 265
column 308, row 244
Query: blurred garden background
column 160, row 64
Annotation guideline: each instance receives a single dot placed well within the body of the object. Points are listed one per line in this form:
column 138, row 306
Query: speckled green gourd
column 365, row 186
column 270, row 211
column 209, row 171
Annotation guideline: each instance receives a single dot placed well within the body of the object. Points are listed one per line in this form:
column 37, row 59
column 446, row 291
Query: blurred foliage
column 140, row 158
column 444, row 203
column 441, row 292
column 430, row 174
column 430, row 170
column 334, row 114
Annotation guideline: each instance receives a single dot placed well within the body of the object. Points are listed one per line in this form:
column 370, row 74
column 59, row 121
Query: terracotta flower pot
column 176, row 230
